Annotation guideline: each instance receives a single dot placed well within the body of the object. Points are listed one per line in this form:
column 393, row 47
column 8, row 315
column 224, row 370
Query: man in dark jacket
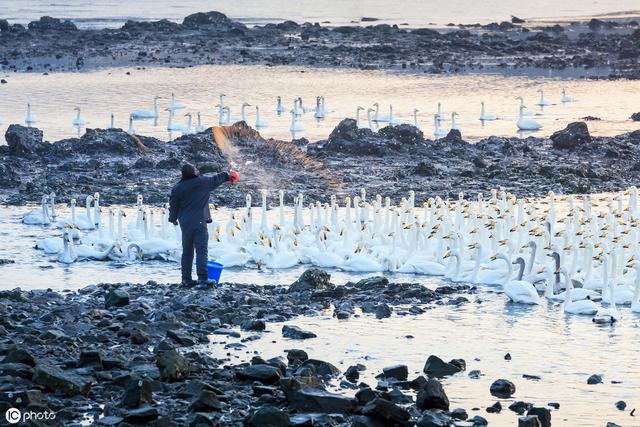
column 189, row 206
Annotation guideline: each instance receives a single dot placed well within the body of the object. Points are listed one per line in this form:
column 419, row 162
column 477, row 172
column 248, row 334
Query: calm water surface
column 113, row 13
column 562, row 349
column 101, row 93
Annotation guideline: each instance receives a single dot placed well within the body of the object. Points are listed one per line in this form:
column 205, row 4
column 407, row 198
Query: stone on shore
column 207, row 401
column 296, row 333
column 316, row 400
column 387, row 411
column 62, row 383
column 503, row 389
column 438, row 368
column 172, row 365
column 310, row 280
column 268, row 416
column 116, row 297
column 574, row 135
column 24, row 140
column 399, row 372
column 529, row 421
column 543, row 414
column 266, row 374
column 432, row 396
column 137, row 392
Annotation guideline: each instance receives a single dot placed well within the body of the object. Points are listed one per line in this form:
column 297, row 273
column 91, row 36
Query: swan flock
column 581, row 252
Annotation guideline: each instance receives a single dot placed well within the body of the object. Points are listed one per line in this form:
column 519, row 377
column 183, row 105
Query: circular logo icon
column 13, row 415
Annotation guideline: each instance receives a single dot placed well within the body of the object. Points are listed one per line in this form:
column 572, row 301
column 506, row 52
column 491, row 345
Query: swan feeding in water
column 78, row 120
column 484, row 116
column 149, row 114
column 527, row 123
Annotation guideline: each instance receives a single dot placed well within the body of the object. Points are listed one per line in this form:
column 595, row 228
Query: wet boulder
column 387, row 411
column 172, row 365
column 399, row 372
column 529, row 421
column 316, row 400
column 24, row 140
column 296, row 333
column 635, row 117
column 574, row 135
column 212, row 19
column 311, row 279
column 4, row 25
column 321, row 368
column 62, row 383
column 543, row 415
column 17, row 354
column 49, row 24
column 432, row 396
column 266, row 374
column 404, row 133
column 503, row 389
column 116, row 297
column 436, row 367
column 434, row 419
column 137, row 392
column 268, row 416
column 207, row 401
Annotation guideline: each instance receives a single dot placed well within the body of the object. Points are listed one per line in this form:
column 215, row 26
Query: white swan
column 175, row 104
column 610, row 314
column 78, row 120
column 380, row 117
column 131, row 130
column 484, row 116
column 279, row 107
column 564, row 99
column 438, row 132
column 453, row 120
column 112, row 124
column 260, row 122
column 296, row 126
column 38, row 216
column 199, row 125
column 582, row 306
column 148, row 114
column 635, row 303
column 439, row 114
column 68, row 255
column 526, row 123
column 30, row 118
column 519, row 291
column 359, row 125
column 171, row 126
column 416, row 122
column 542, row 102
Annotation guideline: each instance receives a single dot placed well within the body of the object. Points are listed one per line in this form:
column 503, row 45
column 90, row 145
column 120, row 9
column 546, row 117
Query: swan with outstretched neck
column 542, row 102
column 38, row 216
column 78, row 120
column 30, row 118
column 526, row 123
column 484, row 116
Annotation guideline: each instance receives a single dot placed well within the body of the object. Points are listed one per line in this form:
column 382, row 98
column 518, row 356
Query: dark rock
column 321, row 368
column 529, row 421
column 352, row 374
column 496, row 408
column 315, row 400
column 253, row 325
column 434, row 419
column 459, row 414
column 268, row 416
column 520, row 407
column 594, row 379
column 516, row 20
column 138, row 336
column 543, row 414
column 432, row 396
column 208, row 19
column 297, row 356
column 399, row 372
column 459, row 363
column 23, row 140
column 137, row 392
column 621, row 405
column 383, row 311
column 436, row 367
column 311, row 279
column 90, row 358
column 635, row 117
column 18, row 354
column 116, row 297
column 386, row 410
column 19, row 370
column 365, row 395
column 172, row 365
column 182, row 338
column 574, row 135
column 266, row 374
column 366, row 421
column 49, row 24
column 207, row 401
column 503, row 389
column 142, row 415
column 60, row 382
column 294, row 332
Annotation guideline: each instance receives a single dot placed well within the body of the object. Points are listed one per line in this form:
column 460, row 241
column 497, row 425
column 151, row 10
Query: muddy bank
column 49, row 44
column 389, row 162
column 127, row 354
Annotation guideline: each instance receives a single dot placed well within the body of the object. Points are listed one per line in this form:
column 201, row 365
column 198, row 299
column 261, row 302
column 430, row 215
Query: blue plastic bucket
column 214, row 270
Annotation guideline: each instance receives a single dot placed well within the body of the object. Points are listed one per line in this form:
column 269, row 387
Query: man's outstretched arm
column 217, row 180
column 174, row 207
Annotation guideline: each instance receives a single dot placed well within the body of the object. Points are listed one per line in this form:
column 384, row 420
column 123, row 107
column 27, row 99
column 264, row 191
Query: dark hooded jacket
column 189, row 202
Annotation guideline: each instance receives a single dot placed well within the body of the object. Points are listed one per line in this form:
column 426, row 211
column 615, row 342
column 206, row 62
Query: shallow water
column 564, row 350
column 101, row 93
column 113, row 13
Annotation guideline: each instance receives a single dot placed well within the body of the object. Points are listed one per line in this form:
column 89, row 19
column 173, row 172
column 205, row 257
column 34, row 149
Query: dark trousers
column 195, row 238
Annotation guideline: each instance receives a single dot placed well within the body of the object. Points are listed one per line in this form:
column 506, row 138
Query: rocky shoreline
column 390, row 162
column 132, row 354
column 608, row 49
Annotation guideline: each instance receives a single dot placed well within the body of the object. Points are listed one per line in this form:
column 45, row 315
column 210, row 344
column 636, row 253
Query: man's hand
column 175, row 222
column 235, row 176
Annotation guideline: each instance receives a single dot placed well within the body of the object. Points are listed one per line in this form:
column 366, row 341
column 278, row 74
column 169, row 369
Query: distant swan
column 564, row 99
column 279, row 107
column 78, row 120
column 439, row 132
column 486, row 116
column 542, row 102
column 526, row 123
column 30, row 118
column 260, row 122
column 148, row 114
column 175, row 104
column 296, row 126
